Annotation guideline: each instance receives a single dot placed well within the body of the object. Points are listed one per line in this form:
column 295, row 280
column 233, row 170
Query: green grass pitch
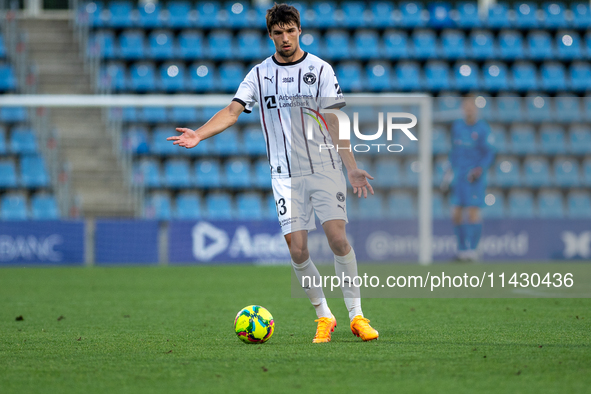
column 170, row 330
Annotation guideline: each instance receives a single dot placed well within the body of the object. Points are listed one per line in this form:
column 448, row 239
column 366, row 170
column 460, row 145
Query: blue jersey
column 471, row 147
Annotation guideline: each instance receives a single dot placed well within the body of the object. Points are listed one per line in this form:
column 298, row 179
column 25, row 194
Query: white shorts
column 298, row 198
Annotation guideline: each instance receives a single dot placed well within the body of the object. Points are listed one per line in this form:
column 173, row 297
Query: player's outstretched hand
column 474, row 174
column 188, row 138
column 359, row 180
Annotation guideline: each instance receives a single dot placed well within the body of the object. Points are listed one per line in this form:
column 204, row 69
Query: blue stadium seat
column 536, row 171
column 120, row 13
column 13, row 114
column 586, row 173
column 440, row 14
column 114, row 76
column 93, row 12
column 23, row 141
column 323, row 15
column 366, row 45
column 220, row 45
column 172, row 78
column 521, row 204
column 219, row 206
column 179, row 15
column 453, row 44
column 33, row 171
column 270, row 207
column 412, row 14
column 150, row 16
column 2, row 47
column 349, row 76
column 437, row 76
column 207, row 14
column 161, row 45
column 388, row 173
column 526, row 17
column 425, row 44
column 523, row 140
column 539, row 45
column 506, row 172
column 555, row 15
column 7, row 78
column 337, row 45
column 231, row 75
column 440, row 208
column 568, row 109
column 524, row 76
column 102, row 44
column 552, row 140
column 482, row 45
column 467, row 15
column 441, row 141
column 566, row 172
column 259, row 13
column 14, row 207
column 208, row 174
column 142, row 77
column 177, row 174
column 499, row 139
column 568, row 46
column 411, row 172
column 147, row 173
column 497, row 16
column 250, row 45
column 354, row 15
column 187, row 206
column 510, row 108
column 183, row 114
column 237, row 15
column 249, row 206
column 550, row 204
column 539, row 109
column 381, row 14
column 132, row 45
column 587, row 45
column 395, row 45
column 451, row 103
column 466, row 76
column 370, row 208
column 158, row 206
column 579, row 204
column 254, row 142
column 580, row 140
column 262, row 174
column 495, row 205
column 44, row 207
column 379, row 76
column 238, row 174
column 553, row 77
column 154, row 115
column 580, row 76
column 309, row 42
column 511, row 45
column 401, row 206
column 587, row 108
column 495, row 76
column 8, row 177
column 227, row 143
column 408, row 76
column 159, row 144
column 581, row 15
column 191, row 45
column 3, row 146
column 202, row 77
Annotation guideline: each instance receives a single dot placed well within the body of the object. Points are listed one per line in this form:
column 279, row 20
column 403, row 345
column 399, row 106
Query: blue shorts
column 468, row 194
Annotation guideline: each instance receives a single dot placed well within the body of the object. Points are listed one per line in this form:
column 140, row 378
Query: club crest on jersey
column 340, row 196
column 309, row 78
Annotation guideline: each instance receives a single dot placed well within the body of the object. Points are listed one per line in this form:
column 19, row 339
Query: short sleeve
column 247, row 91
column 329, row 90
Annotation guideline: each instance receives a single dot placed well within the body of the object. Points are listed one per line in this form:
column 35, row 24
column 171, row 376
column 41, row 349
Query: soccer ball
column 254, row 324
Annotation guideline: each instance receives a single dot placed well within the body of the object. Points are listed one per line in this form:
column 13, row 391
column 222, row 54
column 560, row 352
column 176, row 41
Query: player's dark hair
column 282, row 15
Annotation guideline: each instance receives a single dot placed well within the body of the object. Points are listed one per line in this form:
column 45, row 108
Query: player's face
column 470, row 110
column 286, row 39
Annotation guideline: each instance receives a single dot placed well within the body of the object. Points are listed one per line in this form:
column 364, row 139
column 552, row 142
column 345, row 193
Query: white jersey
column 288, row 94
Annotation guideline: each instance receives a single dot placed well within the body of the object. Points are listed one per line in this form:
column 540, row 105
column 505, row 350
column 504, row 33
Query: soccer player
column 470, row 157
column 305, row 178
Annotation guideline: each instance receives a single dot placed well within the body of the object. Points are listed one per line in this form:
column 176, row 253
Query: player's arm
column 357, row 177
column 218, row 123
column 487, row 154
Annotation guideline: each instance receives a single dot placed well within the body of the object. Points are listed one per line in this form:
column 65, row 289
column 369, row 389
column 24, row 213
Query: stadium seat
column 249, row 206
column 202, row 77
column 366, row 45
column 425, row 44
column 231, row 75
column 581, row 15
column 147, row 173
column 355, row 15
column 401, row 206
column 270, row 207
column 449, row 103
column 207, row 15
column 580, row 140
column 467, row 15
column 13, row 207
column 524, row 76
column 586, row 173
column 437, row 76
column 523, row 139
column 8, row 177
column 159, row 144
column 23, row 141
column 132, row 45
column 553, row 77
column 440, row 208
column 388, row 173
column 161, row 45
column 93, row 11
column 220, row 45
column 172, row 78
column 536, row 172
column 44, row 207
column 555, row 15
column 526, row 17
column 506, row 172
column 227, row 143
column 440, row 14
column 378, row 76
column 153, row 115
column 495, row 205
column 411, row 172
column 113, row 76
column 538, row 108
column 150, row 15
column 323, row 14
column 219, row 206
column 120, row 14
column 580, row 76
column 497, row 16
column 395, row 45
column 188, row 206
column 236, row 15
column 587, row 108
column 349, row 76
column 552, row 140
column 183, row 114
column 7, row 78
column 466, row 76
column 481, row 45
column 495, row 76
column 208, row 174
column 337, row 45
column 13, row 114
column 441, row 141
column 33, row 171
column 550, row 204
column 254, row 142
column 499, row 139
column 521, row 204
column 102, row 44
column 568, row 46
column 579, row 205
column 568, row 109
column 3, row 145
column 539, row 45
column 259, row 13
column 179, row 15
column 191, row 45
column 511, row 45
column 371, row 208
column 408, row 76
column 250, row 45
column 158, row 206
column 309, row 42
column 510, row 108
column 177, row 174
column 566, row 172
column 381, row 14
column 261, row 174
column 142, row 77
column 127, row 114
column 237, row 173
column 411, row 14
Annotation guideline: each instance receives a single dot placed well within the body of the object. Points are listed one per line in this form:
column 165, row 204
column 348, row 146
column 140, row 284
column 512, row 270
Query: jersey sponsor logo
column 340, row 196
column 270, row 79
column 288, row 79
column 309, row 78
column 270, row 102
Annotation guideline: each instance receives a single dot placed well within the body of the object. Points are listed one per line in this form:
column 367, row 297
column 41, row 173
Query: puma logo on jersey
column 270, row 79
column 342, row 207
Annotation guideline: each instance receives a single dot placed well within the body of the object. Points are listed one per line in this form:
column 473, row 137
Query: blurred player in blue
column 470, row 157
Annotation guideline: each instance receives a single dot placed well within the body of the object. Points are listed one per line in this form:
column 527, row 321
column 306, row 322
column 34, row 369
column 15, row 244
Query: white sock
column 347, row 266
column 313, row 286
